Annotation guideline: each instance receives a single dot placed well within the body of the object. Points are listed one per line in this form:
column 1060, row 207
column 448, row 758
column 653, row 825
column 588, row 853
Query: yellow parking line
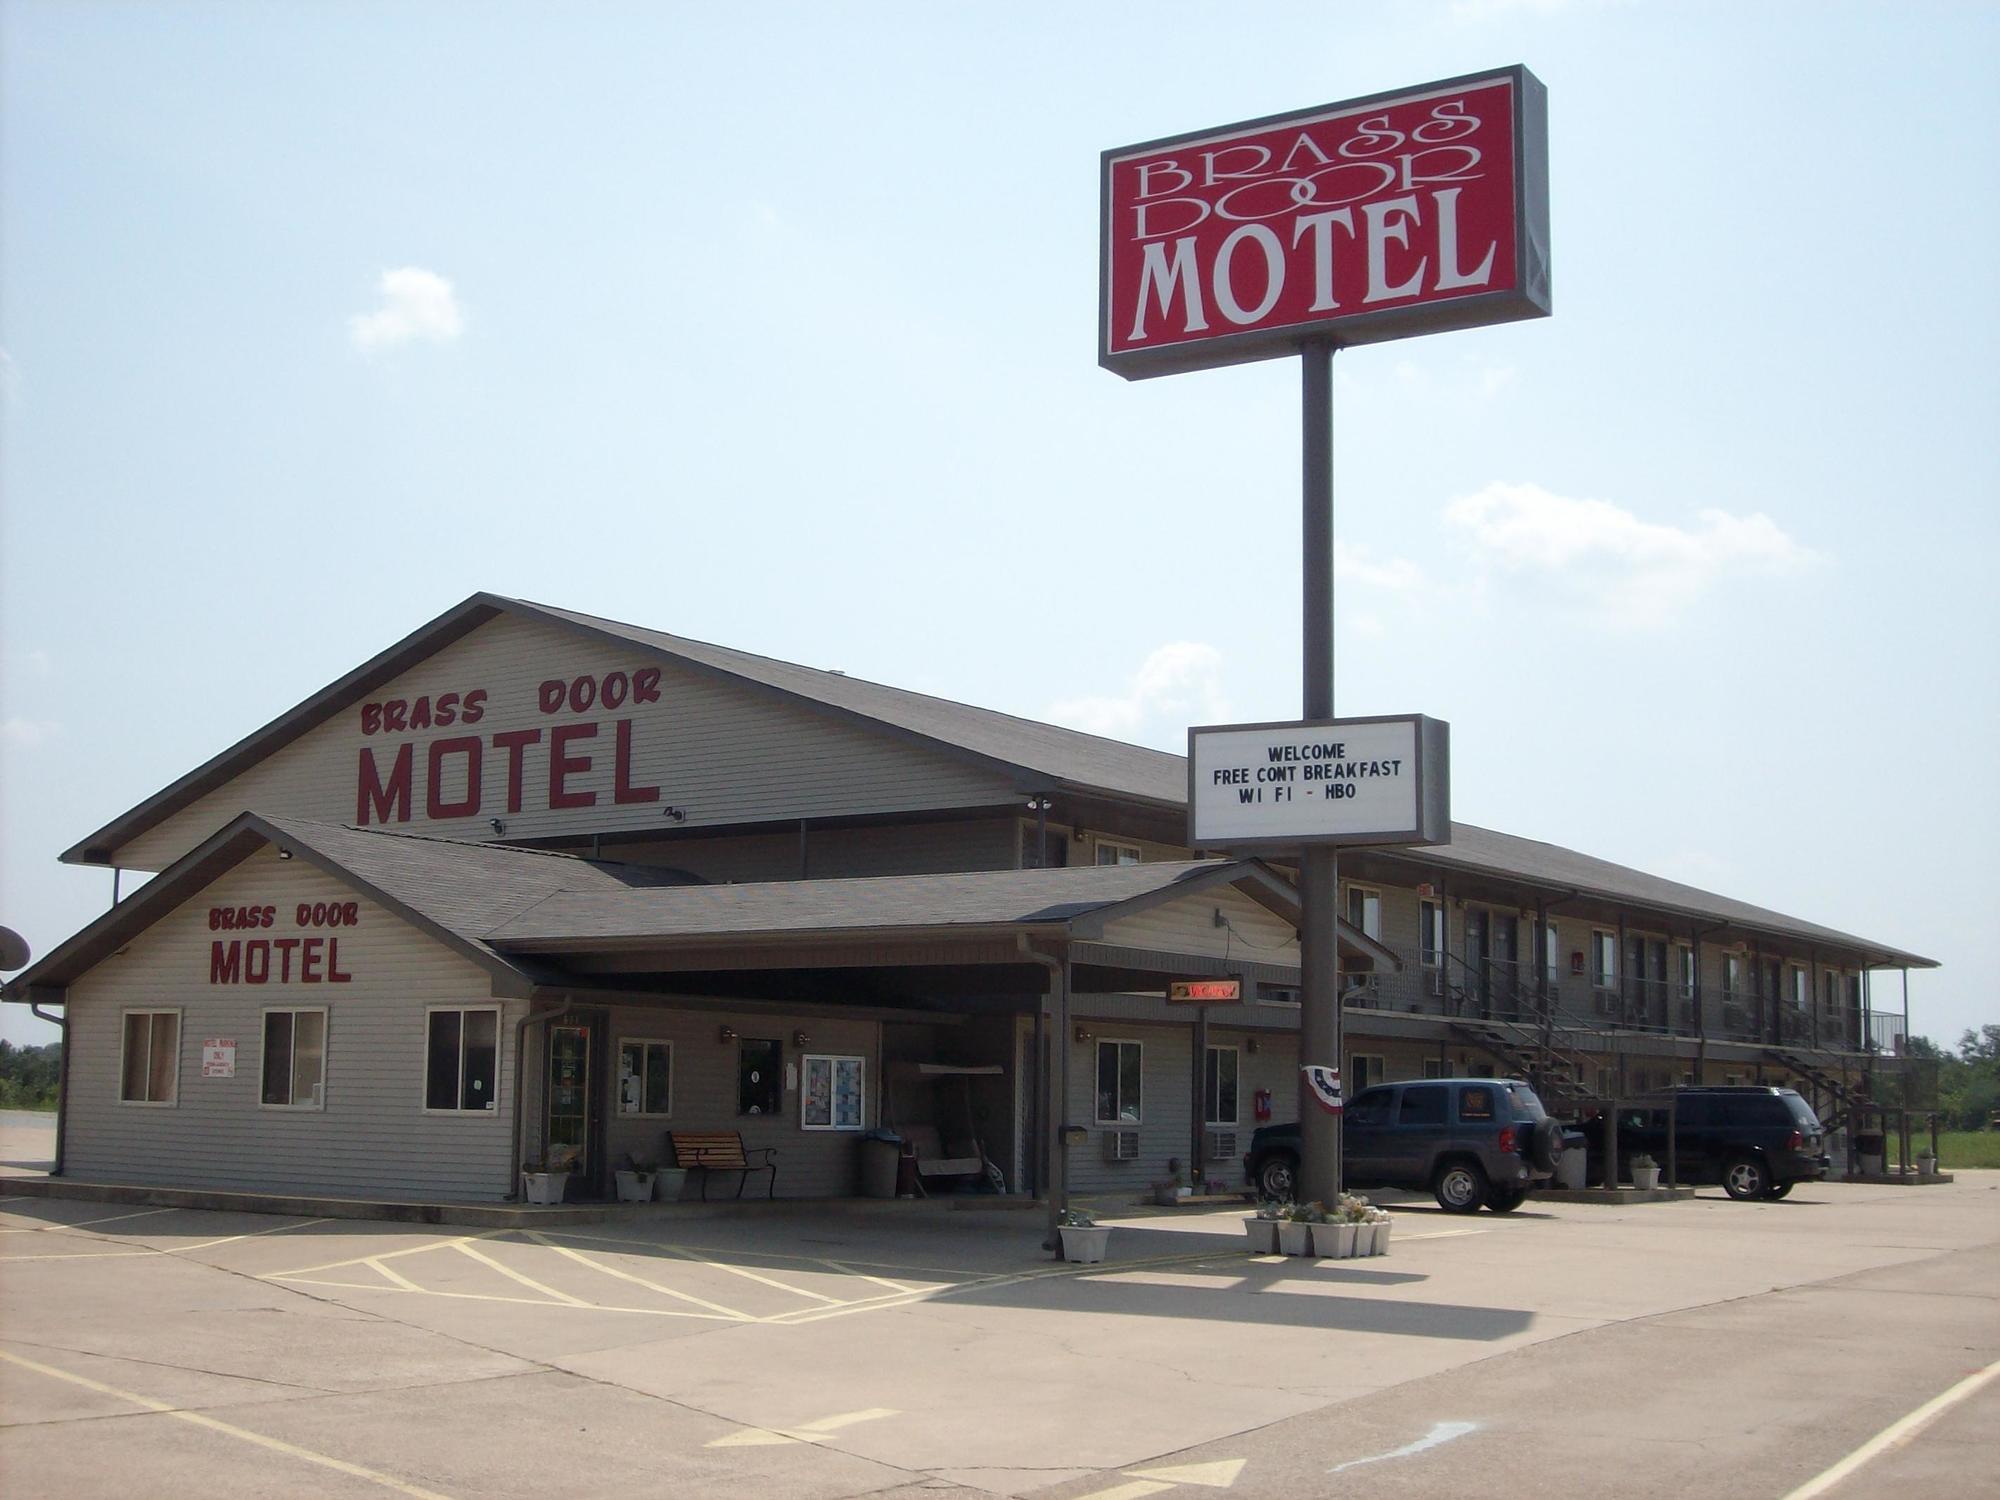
column 847, row 1270
column 10, row 1260
column 665, row 1291
column 687, row 1253
column 86, row 1223
column 747, row 1275
column 362, row 1260
column 424, row 1291
column 231, row 1239
column 389, row 1273
column 527, row 1281
column 292, row 1450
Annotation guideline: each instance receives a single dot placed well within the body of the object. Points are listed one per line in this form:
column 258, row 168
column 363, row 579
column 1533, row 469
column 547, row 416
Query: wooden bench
column 709, row 1151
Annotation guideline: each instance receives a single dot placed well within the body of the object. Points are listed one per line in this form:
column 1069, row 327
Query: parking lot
column 834, row 1350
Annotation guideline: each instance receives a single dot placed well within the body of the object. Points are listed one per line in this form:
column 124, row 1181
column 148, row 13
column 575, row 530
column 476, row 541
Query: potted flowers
column 1295, row 1232
column 1645, row 1172
column 544, row 1182
column 1379, row 1219
column 635, row 1181
column 1083, row 1238
column 1174, row 1190
column 1262, row 1227
column 1334, row 1239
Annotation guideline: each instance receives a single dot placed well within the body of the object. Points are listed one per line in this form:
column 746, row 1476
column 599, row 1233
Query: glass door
column 567, row 1120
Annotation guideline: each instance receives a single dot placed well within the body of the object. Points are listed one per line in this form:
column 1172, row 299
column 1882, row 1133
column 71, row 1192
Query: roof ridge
column 415, row 837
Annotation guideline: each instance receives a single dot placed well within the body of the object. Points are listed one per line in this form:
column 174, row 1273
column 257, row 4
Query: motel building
column 534, row 886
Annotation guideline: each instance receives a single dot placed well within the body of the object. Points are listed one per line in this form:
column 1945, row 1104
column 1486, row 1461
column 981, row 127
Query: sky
column 775, row 326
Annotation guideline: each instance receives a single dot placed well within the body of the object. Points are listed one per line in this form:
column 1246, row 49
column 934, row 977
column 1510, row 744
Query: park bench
column 709, row 1151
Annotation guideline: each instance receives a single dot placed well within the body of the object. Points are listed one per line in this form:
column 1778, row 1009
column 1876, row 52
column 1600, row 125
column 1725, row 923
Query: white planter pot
column 635, row 1187
column 1263, row 1235
column 1295, row 1239
column 1333, row 1241
column 668, row 1182
column 1364, row 1239
column 1382, row 1237
column 1645, row 1178
column 1084, row 1245
column 544, row 1187
column 1926, row 1164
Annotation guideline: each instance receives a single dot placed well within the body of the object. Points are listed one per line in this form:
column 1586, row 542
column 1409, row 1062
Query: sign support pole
column 1320, row 1039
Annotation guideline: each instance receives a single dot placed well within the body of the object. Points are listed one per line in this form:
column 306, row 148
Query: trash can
column 1572, row 1165
column 881, row 1150
column 1870, row 1153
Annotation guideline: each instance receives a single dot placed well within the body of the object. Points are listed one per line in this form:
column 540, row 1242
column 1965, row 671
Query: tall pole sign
column 1412, row 212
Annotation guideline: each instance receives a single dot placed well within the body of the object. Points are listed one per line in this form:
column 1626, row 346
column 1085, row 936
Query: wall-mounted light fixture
column 1250, row 1045
column 284, row 853
column 678, row 814
column 800, row 1039
column 727, row 1034
column 1083, row 1033
column 496, row 825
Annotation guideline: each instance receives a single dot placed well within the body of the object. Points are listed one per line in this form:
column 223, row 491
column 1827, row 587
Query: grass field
column 1966, row 1148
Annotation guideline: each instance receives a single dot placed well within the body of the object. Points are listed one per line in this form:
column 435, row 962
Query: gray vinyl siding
column 373, row 1137
column 1165, row 1108
column 723, row 752
column 939, row 848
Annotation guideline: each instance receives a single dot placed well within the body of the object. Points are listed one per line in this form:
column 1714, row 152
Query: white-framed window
column 461, row 1058
column 1109, row 853
column 1684, row 966
column 1364, row 910
column 1430, row 930
column 295, row 1059
column 1732, row 973
column 1801, row 988
column 832, row 1093
column 1829, row 998
column 645, row 1077
column 1435, row 1069
column 1552, row 958
column 1119, row 1073
column 149, row 1068
column 1363, row 1070
column 1604, row 959
column 1221, row 1069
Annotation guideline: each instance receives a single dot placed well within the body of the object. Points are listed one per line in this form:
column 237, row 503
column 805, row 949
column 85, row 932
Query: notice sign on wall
column 1330, row 781
column 1410, row 212
column 218, row 1057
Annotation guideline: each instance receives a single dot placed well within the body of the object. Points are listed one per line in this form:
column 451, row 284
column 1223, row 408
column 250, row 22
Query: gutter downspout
column 61, row 1023
column 1055, row 1089
column 521, row 1083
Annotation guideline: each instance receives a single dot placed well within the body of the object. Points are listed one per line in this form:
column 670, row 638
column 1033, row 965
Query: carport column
column 1319, row 871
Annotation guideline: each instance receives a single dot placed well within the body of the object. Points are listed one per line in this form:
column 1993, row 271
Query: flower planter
column 1295, row 1239
column 1263, row 1235
column 635, row 1187
column 1333, row 1241
column 668, row 1182
column 1382, row 1237
column 544, row 1187
column 1169, row 1197
column 1645, row 1179
column 1084, row 1244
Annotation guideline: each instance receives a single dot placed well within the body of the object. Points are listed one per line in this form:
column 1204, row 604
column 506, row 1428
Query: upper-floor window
column 150, row 1070
column 1604, row 959
column 1364, row 910
column 1684, row 963
column 1829, row 997
column 1801, row 987
column 1732, row 973
column 1033, row 840
column 1430, row 923
column 1109, row 853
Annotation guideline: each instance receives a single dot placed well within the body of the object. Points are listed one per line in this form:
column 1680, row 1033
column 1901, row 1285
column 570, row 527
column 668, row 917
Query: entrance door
column 566, row 1110
column 1477, row 933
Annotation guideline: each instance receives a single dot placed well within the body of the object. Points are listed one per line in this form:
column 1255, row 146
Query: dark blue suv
column 1467, row 1141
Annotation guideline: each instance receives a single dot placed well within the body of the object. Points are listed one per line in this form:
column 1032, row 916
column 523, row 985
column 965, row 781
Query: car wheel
column 1506, row 1200
column 1545, row 1146
column 1745, row 1177
column 1777, row 1190
column 1277, row 1178
column 1460, row 1187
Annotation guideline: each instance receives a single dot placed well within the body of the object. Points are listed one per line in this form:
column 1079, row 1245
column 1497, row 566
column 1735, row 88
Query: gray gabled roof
column 1053, row 755
column 501, row 906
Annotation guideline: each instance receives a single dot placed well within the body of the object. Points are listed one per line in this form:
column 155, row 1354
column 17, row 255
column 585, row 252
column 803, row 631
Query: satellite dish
column 13, row 949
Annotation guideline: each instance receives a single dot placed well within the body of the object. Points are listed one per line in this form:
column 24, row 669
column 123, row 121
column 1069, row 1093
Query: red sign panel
column 1375, row 219
column 1204, row 991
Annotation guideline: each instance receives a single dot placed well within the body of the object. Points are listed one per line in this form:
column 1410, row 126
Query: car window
column 1423, row 1105
column 1370, row 1107
column 1696, row 1112
column 1526, row 1100
column 1802, row 1114
column 1757, row 1109
column 1475, row 1104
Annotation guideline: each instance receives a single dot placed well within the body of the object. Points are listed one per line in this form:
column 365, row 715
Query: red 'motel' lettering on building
column 312, row 960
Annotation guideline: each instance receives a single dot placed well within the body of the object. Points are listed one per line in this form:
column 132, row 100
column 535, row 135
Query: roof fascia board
column 782, row 937
column 427, row 640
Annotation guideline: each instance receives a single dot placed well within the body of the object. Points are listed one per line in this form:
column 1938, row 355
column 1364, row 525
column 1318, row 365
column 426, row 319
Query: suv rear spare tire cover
column 1545, row 1145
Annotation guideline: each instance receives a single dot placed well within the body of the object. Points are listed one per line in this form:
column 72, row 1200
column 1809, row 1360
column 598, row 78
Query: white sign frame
column 1412, row 806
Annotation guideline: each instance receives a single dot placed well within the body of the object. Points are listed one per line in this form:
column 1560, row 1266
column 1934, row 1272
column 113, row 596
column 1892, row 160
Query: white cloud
column 1354, row 564
column 1178, row 685
column 1629, row 571
column 28, row 733
column 416, row 304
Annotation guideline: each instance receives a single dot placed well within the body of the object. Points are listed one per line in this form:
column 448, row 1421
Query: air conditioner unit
column 1220, row 1145
column 1121, row 1145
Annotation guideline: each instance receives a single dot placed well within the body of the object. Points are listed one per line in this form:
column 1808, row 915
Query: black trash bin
column 881, row 1151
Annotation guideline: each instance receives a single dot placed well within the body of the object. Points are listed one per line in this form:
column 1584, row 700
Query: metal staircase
column 1849, row 1099
column 1544, row 1056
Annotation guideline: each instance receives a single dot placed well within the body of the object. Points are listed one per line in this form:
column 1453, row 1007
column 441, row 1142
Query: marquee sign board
column 1204, row 991
column 1410, row 212
column 1384, row 780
